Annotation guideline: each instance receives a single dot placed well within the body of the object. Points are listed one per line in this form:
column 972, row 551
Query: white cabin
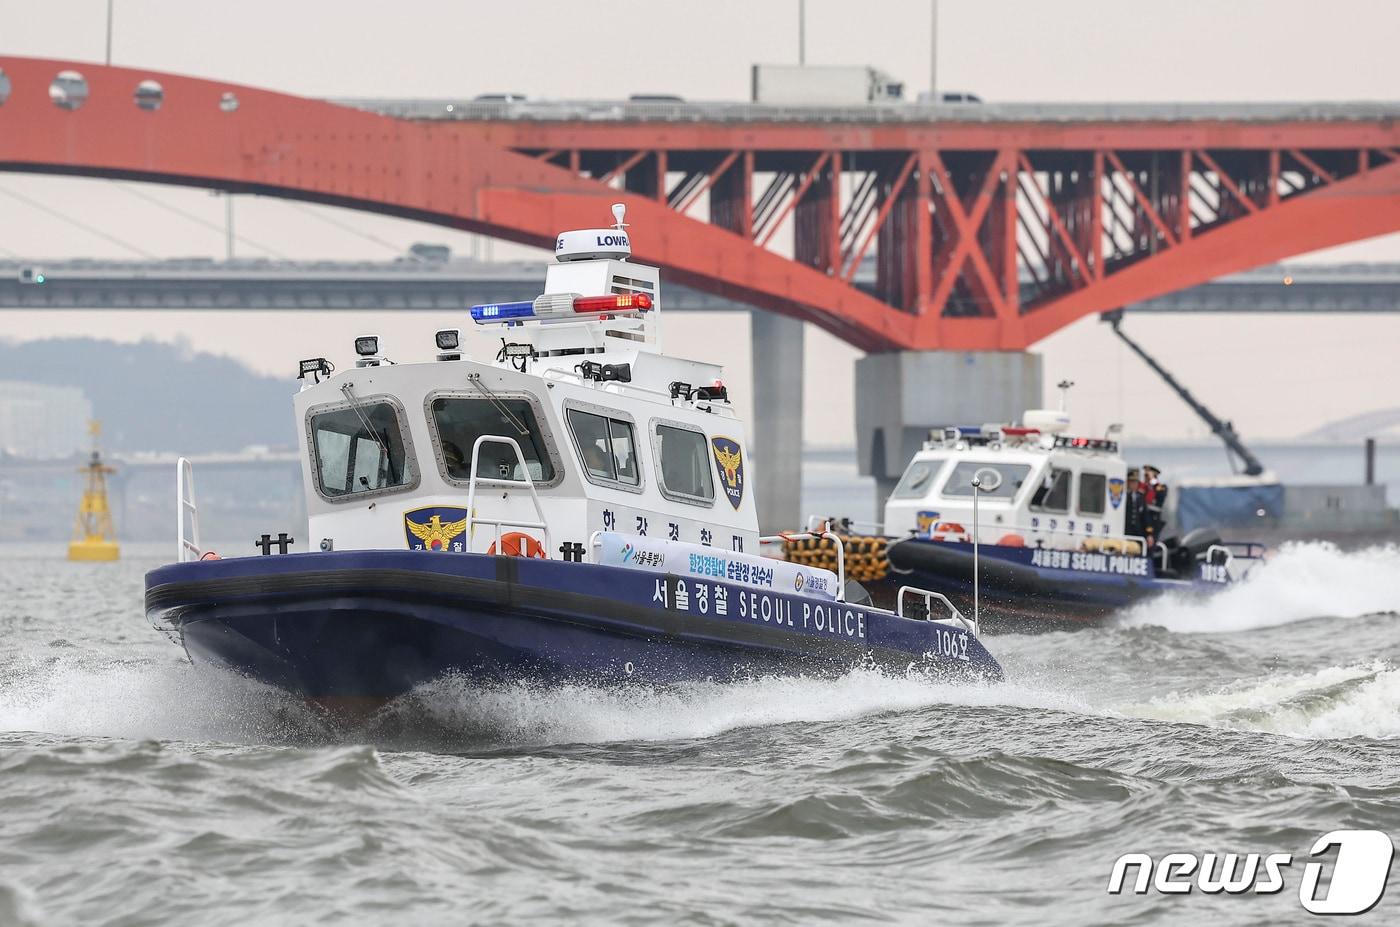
column 579, row 425
column 1041, row 487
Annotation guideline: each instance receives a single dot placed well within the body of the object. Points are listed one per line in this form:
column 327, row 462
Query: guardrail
column 928, row 597
column 187, row 546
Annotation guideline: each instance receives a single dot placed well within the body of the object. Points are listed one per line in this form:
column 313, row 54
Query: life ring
column 519, row 544
column 948, row 531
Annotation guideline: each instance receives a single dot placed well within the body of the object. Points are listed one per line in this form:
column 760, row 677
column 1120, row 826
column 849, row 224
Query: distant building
column 42, row 422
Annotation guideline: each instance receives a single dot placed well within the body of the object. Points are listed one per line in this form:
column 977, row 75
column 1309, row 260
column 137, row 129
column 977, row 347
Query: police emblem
column 436, row 528
column 925, row 522
column 1115, row 492
column 729, row 461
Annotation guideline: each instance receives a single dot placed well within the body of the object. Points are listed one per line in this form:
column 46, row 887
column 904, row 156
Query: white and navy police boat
column 1049, row 533
column 576, row 508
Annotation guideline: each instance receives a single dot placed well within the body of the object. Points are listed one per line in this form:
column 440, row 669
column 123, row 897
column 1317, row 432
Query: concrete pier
column 775, row 435
column 901, row 395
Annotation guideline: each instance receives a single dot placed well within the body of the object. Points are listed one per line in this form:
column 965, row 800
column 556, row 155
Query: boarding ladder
column 503, row 483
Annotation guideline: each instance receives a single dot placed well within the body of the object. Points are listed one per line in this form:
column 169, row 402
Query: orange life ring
column 949, row 531
column 519, row 544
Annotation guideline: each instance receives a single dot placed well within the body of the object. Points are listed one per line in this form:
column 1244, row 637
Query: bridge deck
column 457, row 285
column 594, row 111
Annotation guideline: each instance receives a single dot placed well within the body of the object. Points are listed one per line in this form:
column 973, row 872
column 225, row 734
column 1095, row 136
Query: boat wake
column 532, row 714
column 1301, row 582
column 86, row 696
column 1332, row 703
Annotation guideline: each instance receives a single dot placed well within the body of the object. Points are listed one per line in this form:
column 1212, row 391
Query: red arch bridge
column 989, row 227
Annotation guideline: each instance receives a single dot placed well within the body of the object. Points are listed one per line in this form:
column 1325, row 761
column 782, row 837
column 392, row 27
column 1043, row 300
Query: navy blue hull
column 1024, row 589
column 371, row 625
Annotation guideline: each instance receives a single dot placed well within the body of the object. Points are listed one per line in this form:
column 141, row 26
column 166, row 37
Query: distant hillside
column 154, row 396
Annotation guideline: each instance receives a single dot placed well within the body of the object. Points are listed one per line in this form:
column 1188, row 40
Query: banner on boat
column 683, row 559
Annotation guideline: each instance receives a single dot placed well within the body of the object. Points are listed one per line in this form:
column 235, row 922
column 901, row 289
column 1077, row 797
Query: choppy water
column 135, row 789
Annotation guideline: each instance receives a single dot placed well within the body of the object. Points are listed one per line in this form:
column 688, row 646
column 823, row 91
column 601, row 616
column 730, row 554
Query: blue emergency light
column 503, row 312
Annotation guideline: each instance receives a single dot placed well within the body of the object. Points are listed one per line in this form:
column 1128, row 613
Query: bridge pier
column 901, row 395
column 775, row 438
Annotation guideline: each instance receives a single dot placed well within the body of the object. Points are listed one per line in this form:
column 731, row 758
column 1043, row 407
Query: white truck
column 823, row 85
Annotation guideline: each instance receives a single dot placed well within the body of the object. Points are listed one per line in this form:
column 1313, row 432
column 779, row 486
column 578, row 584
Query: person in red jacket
column 1154, row 494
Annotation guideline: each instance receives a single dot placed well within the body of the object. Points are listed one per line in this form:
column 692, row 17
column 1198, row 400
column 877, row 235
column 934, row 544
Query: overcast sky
column 1276, row 376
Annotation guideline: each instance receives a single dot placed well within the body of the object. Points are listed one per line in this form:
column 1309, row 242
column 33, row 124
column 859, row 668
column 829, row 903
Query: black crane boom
column 1221, row 429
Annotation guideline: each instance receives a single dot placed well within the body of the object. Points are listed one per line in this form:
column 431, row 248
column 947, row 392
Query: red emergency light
column 617, row 302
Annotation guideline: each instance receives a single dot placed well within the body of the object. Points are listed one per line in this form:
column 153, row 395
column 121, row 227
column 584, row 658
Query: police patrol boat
column 577, row 507
column 1050, row 534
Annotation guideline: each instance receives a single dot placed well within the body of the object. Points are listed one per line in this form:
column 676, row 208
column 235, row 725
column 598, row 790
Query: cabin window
column 1093, row 493
column 1012, row 476
column 1053, row 494
column 684, row 458
column 918, row 479
column 359, row 449
column 606, row 446
column 459, row 422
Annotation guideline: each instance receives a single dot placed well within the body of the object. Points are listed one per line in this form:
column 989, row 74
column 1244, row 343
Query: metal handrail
column 840, row 552
column 502, row 482
column 929, row 595
column 184, row 503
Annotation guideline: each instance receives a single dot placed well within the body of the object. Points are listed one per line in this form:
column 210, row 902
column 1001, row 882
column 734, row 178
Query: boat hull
column 367, row 626
column 1024, row 589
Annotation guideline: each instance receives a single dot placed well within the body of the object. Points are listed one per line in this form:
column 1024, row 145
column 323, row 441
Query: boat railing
column 929, row 597
column 187, row 544
column 1245, row 550
column 525, row 482
column 812, row 535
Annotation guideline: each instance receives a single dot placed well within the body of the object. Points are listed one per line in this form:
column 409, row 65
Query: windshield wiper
column 475, row 380
column 359, row 412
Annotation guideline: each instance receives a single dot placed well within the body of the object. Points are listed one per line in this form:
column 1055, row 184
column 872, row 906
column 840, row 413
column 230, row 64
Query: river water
column 135, row 789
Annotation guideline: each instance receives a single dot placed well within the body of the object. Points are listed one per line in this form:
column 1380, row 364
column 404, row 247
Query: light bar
column 558, row 306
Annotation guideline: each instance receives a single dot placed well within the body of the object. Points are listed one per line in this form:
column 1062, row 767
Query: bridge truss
column 988, row 229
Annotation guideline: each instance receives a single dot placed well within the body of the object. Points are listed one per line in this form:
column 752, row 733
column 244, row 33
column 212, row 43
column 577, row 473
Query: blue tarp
column 1227, row 506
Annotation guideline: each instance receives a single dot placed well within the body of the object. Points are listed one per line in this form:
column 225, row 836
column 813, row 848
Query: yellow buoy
column 93, row 535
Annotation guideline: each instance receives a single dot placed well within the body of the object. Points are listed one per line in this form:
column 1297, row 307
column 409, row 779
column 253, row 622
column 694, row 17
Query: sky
column 1275, row 376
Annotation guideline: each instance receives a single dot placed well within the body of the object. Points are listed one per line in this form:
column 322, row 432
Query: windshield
column 460, row 422
column 918, row 479
column 358, row 449
column 959, row 483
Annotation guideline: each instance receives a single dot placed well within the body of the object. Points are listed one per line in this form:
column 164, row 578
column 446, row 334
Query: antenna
column 984, row 480
column 619, row 211
column 1064, row 386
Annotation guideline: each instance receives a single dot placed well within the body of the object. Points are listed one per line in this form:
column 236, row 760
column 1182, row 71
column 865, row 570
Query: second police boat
column 1051, row 539
column 578, row 507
